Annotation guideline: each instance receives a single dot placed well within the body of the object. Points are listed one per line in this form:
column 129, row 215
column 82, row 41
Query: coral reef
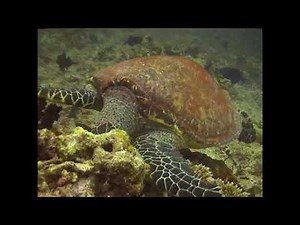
column 248, row 133
column 228, row 189
column 47, row 114
column 133, row 40
column 233, row 74
column 203, row 172
column 218, row 168
column 215, row 171
column 45, row 151
column 245, row 162
column 258, row 131
column 172, row 50
column 81, row 164
column 84, row 164
column 64, row 61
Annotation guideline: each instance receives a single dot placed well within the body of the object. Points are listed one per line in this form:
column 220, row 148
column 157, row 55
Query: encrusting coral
column 228, row 189
column 86, row 164
column 245, row 162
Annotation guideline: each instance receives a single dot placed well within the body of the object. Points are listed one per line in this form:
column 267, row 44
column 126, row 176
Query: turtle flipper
column 79, row 98
column 117, row 105
column 170, row 170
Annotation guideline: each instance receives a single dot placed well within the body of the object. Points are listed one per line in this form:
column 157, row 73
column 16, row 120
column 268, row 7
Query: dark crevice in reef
column 248, row 133
column 217, row 167
column 47, row 114
column 233, row 74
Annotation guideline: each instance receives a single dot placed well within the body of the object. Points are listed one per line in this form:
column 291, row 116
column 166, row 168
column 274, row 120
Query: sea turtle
column 183, row 106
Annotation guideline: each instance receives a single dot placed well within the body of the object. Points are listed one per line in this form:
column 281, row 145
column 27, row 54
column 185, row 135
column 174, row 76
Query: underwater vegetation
column 234, row 167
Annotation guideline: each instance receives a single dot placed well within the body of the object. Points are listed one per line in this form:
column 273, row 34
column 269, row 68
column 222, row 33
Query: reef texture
column 244, row 161
column 248, row 133
column 47, row 114
column 233, row 74
column 84, row 164
column 228, row 189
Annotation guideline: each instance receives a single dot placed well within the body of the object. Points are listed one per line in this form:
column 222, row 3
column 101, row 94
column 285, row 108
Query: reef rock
column 85, row 164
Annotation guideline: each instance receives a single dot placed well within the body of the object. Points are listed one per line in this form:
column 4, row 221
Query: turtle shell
column 178, row 93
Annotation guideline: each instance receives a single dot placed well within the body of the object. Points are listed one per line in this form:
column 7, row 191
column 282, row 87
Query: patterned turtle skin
column 184, row 105
column 179, row 93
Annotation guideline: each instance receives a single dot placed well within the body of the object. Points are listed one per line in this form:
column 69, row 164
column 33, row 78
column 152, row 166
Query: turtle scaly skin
column 169, row 169
column 120, row 110
column 178, row 93
column 79, row 98
column 186, row 106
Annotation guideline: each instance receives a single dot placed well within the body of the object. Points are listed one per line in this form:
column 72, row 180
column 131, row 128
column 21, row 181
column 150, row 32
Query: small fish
column 64, row 61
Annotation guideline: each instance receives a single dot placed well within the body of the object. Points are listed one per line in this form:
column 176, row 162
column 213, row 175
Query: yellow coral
column 229, row 189
column 202, row 171
column 118, row 168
